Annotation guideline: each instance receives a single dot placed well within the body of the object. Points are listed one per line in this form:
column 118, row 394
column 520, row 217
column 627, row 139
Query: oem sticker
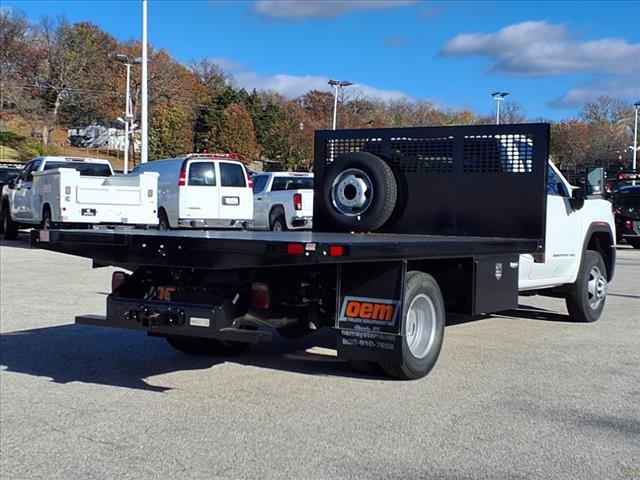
column 377, row 311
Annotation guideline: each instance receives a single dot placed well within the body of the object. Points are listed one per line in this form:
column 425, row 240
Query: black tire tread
column 576, row 301
column 402, row 372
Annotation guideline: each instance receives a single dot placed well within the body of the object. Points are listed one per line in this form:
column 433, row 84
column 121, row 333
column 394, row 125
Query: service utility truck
column 69, row 191
column 283, row 201
column 409, row 224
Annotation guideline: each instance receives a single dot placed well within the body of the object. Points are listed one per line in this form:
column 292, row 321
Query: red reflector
column 295, row 249
column 117, row 279
column 183, row 179
column 336, row 250
column 260, row 296
column 297, row 201
column 628, row 224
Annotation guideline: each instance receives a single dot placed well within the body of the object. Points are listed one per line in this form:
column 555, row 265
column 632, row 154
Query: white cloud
column 293, row 86
column 292, row 9
column 620, row 87
column 538, row 48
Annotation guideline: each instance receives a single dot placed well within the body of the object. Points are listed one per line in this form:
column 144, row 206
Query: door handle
column 258, row 198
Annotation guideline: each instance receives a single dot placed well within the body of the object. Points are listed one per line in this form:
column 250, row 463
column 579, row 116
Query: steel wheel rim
column 596, row 288
column 420, row 327
column 351, row 192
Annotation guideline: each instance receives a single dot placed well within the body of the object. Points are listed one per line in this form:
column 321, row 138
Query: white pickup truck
column 64, row 191
column 283, row 201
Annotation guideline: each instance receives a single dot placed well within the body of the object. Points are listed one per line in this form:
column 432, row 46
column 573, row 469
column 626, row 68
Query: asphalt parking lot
column 527, row 394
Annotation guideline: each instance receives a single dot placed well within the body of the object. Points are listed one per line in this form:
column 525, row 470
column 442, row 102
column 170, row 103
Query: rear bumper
column 165, row 318
column 214, row 223
column 301, row 223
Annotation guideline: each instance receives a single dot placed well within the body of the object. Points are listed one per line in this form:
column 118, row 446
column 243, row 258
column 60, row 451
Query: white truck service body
column 283, row 201
column 69, row 190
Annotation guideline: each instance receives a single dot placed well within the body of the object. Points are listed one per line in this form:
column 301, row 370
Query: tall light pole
column 336, row 86
column 144, row 151
column 128, row 114
column 635, row 136
column 498, row 97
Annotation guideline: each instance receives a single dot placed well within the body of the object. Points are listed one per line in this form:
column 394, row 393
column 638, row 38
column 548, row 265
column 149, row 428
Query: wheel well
column 601, row 242
column 162, row 212
column 275, row 211
column 45, row 207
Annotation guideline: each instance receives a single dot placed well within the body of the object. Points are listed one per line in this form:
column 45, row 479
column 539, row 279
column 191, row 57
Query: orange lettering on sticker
column 369, row 311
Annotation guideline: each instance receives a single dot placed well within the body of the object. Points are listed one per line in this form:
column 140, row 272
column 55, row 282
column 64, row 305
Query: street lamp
column 498, row 97
column 337, row 85
column 128, row 114
column 635, row 136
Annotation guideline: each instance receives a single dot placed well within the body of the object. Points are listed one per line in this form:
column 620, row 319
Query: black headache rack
column 480, row 180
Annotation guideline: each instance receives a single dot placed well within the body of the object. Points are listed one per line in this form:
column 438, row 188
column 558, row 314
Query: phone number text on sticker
column 377, row 311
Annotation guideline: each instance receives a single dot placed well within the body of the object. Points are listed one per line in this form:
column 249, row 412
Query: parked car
column 202, row 191
column 626, row 206
column 283, row 201
column 73, row 191
column 9, row 171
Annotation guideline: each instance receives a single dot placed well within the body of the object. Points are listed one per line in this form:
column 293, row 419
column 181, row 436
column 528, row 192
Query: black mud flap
column 369, row 311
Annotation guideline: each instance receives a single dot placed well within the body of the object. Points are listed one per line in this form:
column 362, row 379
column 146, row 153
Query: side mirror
column 577, row 198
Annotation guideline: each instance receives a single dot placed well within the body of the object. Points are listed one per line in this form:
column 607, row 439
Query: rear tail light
column 336, row 250
column 295, row 249
column 117, row 279
column 183, row 178
column 260, row 296
column 249, row 181
column 628, row 224
column 297, row 201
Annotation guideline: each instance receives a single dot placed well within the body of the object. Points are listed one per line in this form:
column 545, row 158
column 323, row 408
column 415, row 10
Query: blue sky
column 550, row 56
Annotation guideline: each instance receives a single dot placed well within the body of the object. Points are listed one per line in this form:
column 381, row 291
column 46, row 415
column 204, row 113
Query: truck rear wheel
column 423, row 321
column 278, row 224
column 163, row 221
column 46, row 224
column 206, row 346
column 585, row 300
column 9, row 226
column 360, row 192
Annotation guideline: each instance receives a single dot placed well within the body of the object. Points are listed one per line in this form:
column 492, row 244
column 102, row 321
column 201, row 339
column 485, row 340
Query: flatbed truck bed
column 253, row 249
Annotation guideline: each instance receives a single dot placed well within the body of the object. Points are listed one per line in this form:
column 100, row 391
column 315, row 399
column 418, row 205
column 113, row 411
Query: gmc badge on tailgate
column 377, row 311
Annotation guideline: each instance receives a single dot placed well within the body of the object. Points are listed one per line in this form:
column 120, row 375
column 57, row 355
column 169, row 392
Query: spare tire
column 359, row 192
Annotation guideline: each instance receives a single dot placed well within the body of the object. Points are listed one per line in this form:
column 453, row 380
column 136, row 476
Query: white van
column 202, row 191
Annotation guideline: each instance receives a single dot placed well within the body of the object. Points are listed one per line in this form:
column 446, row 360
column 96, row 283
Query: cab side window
column 554, row 184
column 259, row 182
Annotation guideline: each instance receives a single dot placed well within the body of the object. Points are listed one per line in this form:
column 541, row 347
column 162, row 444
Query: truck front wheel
column 423, row 320
column 9, row 226
column 206, row 346
column 586, row 298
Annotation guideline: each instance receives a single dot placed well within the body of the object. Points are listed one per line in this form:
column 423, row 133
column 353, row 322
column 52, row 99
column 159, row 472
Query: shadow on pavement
column 21, row 242
column 78, row 353
column 522, row 312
